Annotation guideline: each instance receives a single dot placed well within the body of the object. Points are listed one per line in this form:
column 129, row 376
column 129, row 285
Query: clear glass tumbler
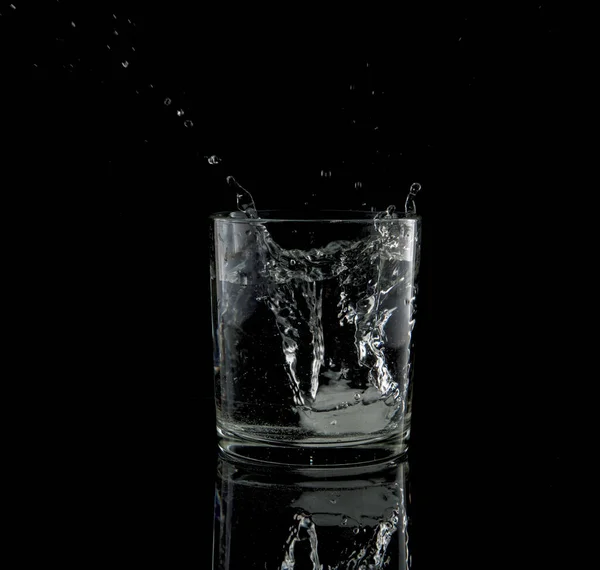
column 312, row 328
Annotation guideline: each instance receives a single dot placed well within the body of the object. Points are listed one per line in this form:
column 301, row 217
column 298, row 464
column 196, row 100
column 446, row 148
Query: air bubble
column 188, row 123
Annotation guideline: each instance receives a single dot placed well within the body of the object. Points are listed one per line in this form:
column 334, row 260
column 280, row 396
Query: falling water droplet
column 180, row 112
column 167, row 101
column 13, row 6
column 355, row 530
column 358, row 184
column 357, row 396
column 409, row 205
column 115, row 32
column 73, row 24
column 352, row 87
column 132, row 48
column 125, row 63
column 188, row 123
column 213, row 159
column 107, row 46
column 333, row 422
column 115, row 16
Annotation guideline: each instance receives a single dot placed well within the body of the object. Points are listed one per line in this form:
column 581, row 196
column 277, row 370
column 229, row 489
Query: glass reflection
column 271, row 518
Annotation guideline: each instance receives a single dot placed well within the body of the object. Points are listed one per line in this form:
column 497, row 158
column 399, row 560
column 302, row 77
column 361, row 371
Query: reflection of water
column 277, row 519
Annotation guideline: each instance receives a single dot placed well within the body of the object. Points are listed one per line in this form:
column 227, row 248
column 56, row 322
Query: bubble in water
column 188, row 123
column 167, row 101
column 409, row 205
column 180, row 112
column 125, row 63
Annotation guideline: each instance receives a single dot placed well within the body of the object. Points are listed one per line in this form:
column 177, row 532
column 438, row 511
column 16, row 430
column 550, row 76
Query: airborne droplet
column 188, row 123
column 167, row 101
column 125, row 64
column 180, row 112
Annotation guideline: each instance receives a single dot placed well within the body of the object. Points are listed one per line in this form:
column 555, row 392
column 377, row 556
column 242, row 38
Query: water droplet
column 306, row 203
column 352, row 87
column 188, row 123
column 344, row 521
column 357, row 396
column 409, row 205
column 115, row 16
column 292, row 262
column 333, row 501
column 13, row 6
column 107, row 46
column 213, row 159
column 333, row 422
column 167, row 101
column 355, row 530
column 364, row 204
column 358, row 184
column 73, row 24
column 125, row 63
column 132, row 48
column 115, row 32
column 180, row 112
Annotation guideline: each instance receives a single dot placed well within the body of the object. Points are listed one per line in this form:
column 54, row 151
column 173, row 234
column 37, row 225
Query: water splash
column 303, row 531
column 245, row 201
column 410, row 206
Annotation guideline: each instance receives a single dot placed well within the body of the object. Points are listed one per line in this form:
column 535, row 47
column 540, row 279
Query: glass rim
column 322, row 216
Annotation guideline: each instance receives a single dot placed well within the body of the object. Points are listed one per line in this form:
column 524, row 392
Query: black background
column 476, row 104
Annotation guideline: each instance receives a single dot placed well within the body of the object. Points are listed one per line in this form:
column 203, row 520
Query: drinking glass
column 312, row 326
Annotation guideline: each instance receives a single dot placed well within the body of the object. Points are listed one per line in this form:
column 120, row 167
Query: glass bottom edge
column 371, row 451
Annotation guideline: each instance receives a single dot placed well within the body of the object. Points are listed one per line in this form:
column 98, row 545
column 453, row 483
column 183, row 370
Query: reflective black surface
column 307, row 110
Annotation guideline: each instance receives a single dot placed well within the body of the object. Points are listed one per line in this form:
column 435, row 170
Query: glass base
column 302, row 454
